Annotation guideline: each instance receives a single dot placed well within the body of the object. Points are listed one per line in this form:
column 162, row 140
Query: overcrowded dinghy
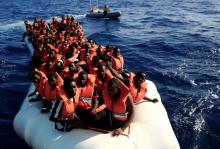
column 150, row 127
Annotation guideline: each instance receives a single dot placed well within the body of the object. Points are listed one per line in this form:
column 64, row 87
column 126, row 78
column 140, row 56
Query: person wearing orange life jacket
column 72, row 71
column 63, row 112
column 39, row 79
column 119, row 102
column 59, row 66
column 55, row 23
column 28, row 26
column 88, row 96
column 117, row 60
column 137, row 85
column 93, row 65
column 53, row 56
column 47, row 67
column 51, row 86
column 102, row 78
column 93, row 48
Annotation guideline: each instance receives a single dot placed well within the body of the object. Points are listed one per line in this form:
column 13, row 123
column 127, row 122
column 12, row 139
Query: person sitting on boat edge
column 106, row 9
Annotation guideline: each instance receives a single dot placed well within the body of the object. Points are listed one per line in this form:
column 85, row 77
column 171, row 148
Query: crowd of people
column 82, row 84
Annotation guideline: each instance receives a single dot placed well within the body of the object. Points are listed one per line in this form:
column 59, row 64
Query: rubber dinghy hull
column 111, row 15
column 150, row 128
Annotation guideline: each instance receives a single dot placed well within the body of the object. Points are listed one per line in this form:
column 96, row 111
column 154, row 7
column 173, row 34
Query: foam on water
column 15, row 25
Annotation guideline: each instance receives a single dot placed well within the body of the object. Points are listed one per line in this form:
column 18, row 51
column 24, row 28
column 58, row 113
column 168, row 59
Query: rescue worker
column 106, row 9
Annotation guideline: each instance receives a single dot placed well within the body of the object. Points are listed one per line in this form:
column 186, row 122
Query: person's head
column 113, row 89
column 139, row 78
column 70, row 86
column 102, row 71
column 99, row 52
column 37, row 61
column 52, row 79
column 52, row 54
column 68, row 55
column 72, row 67
column 95, row 61
column 83, row 78
column 59, row 66
column 26, row 22
column 34, row 77
column 116, row 52
column 87, row 56
column 88, row 46
column 49, row 66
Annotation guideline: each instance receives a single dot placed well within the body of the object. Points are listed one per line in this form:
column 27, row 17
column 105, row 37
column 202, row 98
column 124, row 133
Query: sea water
column 176, row 42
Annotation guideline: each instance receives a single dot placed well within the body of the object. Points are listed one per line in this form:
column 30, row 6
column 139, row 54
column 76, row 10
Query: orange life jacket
column 44, row 70
column 72, row 59
column 86, row 94
column 52, row 94
column 40, row 86
column 93, row 50
column 137, row 96
column 117, row 108
column 69, row 105
column 100, row 85
column 66, row 73
column 118, row 63
column 92, row 70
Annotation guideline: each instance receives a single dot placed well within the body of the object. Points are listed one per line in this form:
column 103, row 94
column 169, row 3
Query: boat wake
column 11, row 26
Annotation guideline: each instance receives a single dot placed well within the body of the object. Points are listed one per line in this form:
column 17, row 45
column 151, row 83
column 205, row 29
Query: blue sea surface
column 177, row 42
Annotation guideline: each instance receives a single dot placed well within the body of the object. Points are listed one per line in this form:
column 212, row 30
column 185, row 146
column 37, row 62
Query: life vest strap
column 119, row 115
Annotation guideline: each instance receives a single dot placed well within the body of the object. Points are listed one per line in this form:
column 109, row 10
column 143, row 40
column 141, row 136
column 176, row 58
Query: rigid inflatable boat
column 150, row 128
column 110, row 15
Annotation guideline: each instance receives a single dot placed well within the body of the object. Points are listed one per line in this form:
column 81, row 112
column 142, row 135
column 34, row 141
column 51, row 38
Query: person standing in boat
column 106, row 9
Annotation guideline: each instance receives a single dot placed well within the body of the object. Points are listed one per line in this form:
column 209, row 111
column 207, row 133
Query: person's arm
column 130, row 110
column 94, row 100
column 151, row 100
column 33, row 93
column 118, row 76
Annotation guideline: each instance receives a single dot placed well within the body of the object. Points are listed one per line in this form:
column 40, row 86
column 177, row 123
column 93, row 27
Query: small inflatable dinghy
column 110, row 15
column 150, row 128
